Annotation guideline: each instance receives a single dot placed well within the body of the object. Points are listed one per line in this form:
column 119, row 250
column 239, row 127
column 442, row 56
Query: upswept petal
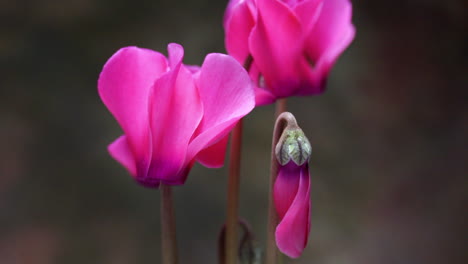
column 194, row 69
column 331, row 34
column 120, row 151
column 239, row 22
column 276, row 46
column 175, row 113
column 293, row 230
column 175, row 55
column 213, row 156
column 285, row 187
column 124, row 86
column 227, row 95
column 308, row 12
column 291, row 3
column 232, row 5
column 263, row 97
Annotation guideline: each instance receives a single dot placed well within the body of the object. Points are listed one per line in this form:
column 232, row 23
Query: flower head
column 291, row 191
column 293, row 43
column 172, row 115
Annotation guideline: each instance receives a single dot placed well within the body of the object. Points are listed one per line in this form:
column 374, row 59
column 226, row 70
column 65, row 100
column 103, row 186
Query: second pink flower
column 293, row 43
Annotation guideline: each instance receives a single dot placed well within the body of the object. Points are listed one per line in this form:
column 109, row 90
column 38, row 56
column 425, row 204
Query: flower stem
column 280, row 107
column 282, row 119
column 232, row 214
column 168, row 226
column 233, row 196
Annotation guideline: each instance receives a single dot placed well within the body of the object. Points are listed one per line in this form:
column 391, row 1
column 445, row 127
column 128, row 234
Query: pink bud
column 291, row 191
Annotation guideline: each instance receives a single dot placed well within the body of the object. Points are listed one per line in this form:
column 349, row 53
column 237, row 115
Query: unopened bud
column 293, row 145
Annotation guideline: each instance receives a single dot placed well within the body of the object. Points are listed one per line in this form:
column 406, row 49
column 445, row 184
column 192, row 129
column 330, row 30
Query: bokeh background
column 389, row 168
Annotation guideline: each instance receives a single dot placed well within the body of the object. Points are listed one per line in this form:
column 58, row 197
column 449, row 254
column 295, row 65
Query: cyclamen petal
column 171, row 113
column 124, row 85
column 213, row 156
column 332, row 33
column 292, row 201
column 120, row 150
column 293, row 43
column 175, row 113
column 227, row 95
column 276, row 50
column 239, row 21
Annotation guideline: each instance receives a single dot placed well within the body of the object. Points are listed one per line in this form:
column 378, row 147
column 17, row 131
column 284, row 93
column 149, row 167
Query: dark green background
column 389, row 162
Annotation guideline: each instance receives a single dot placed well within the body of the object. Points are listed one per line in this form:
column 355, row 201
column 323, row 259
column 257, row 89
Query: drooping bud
column 291, row 189
column 293, row 145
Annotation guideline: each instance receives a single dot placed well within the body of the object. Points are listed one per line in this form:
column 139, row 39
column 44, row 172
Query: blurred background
column 389, row 167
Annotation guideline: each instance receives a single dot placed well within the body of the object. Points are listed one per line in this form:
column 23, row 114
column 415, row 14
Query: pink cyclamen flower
column 293, row 43
column 291, row 192
column 172, row 115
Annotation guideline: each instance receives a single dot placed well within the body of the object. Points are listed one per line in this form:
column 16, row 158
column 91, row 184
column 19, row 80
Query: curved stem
column 283, row 119
column 168, row 226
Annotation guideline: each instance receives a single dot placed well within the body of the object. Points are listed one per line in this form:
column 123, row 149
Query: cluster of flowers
column 174, row 114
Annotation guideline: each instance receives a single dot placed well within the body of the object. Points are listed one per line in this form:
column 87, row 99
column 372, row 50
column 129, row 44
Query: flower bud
column 293, row 145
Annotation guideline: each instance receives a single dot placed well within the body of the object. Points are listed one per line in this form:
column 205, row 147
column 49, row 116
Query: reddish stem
column 233, row 195
column 168, row 226
column 233, row 187
column 282, row 119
